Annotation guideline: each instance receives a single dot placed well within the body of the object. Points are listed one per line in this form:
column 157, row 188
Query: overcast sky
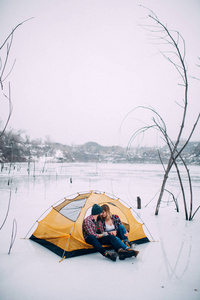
column 83, row 65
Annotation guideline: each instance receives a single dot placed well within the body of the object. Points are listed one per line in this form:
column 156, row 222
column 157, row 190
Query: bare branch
column 161, row 161
column 9, row 71
column 13, row 32
column 7, row 211
column 191, row 133
column 10, row 111
column 195, row 213
column 13, row 236
column 175, row 200
column 6, row 60
column 3, row 64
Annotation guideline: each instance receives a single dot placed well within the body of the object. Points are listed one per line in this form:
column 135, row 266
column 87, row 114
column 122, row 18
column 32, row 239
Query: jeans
column 120, row 233
column 105, row 240
column 123, row 246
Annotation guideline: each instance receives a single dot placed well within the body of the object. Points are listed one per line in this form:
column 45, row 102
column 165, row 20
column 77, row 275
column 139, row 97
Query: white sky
column 82, row 65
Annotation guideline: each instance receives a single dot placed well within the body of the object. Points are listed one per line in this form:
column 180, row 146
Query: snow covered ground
column 168, row 268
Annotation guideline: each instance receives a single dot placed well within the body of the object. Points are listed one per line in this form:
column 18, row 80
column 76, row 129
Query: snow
column 166, row 268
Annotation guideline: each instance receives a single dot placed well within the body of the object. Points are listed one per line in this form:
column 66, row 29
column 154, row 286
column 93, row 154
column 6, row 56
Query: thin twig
column 175, row 200
column 14, row 31
column 7, row 210
column 195, row 213
column 10, row 111
column 13, row 236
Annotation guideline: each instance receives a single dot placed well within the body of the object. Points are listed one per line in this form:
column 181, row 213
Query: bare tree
column 4, row 73
column 162, row 35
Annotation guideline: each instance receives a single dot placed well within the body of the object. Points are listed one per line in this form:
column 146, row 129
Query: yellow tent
column 61, row 229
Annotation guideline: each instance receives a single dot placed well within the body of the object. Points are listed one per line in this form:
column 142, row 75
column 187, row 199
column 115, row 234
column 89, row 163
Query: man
column 94, row 235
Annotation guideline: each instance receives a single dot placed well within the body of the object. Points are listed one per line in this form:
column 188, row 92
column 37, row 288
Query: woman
column 113, row 225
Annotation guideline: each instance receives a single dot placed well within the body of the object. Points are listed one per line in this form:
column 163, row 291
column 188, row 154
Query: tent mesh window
column 73, row 209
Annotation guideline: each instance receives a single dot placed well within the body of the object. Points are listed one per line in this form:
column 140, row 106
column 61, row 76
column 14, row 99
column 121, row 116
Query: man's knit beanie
column 96, row 209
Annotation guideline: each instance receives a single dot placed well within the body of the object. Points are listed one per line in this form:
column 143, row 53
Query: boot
column 123, row 254
column 111, row 255
column 136, row 253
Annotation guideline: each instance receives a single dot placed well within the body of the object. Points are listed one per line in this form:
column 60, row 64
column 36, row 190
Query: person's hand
column 113, row 232
column 126, row 234
column 105, row 233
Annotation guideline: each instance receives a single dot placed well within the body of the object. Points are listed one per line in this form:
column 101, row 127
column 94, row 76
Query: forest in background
column 17, row 147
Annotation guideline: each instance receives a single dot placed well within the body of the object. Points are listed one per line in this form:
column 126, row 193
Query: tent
column 61, row 229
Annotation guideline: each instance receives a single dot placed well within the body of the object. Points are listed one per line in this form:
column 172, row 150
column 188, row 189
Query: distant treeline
column 15, row 147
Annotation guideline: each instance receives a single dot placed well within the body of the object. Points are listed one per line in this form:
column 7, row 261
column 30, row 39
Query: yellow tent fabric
column 61, row 229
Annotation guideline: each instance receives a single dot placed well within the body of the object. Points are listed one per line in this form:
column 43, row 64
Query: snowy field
column 167, row 268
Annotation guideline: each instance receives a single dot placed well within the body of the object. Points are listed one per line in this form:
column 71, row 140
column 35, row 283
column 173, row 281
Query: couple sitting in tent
column 103, row 228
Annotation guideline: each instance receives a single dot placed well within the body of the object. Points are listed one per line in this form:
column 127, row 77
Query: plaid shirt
column 116, row 222
column 92, row 227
